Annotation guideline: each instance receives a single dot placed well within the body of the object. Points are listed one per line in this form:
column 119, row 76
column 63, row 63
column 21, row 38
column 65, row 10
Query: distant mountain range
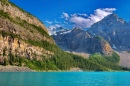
column 58, row 30
column 110, row 33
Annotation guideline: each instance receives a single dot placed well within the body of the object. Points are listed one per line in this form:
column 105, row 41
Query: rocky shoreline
column 14, row 69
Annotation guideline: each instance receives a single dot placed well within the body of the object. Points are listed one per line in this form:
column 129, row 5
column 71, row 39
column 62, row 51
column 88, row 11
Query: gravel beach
column 14, row 69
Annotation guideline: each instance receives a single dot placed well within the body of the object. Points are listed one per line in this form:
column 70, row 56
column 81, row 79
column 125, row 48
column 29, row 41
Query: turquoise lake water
column 65, row 79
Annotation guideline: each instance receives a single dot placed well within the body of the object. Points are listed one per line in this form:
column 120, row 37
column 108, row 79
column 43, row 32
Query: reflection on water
column 65, row 79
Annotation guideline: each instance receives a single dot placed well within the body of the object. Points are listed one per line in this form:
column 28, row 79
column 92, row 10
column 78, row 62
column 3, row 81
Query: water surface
column 65, row 79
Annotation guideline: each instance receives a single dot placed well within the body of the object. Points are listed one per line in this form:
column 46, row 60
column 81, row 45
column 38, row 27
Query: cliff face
column 14, row 12
column 98, row 44
column 21, row 34
column 16, row 47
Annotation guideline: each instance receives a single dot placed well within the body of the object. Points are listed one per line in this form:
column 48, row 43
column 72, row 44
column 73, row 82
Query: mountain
column 21, row 35
column 80, row 41
column 113, row 29
column 57, row 30
column 24, row 41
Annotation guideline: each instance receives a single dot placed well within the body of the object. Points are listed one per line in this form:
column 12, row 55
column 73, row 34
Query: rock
column 113, row 29
column 98, row 45
column 20, row 35
column 80, row 41
column 19, row 13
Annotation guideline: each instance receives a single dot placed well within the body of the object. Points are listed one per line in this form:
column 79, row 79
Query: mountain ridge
column 79, row 40
column 113, row 29
column 23, row 43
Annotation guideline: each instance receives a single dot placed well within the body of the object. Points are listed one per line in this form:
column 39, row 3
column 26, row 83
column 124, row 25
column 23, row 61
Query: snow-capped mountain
column 58, row 30
column 112, row 29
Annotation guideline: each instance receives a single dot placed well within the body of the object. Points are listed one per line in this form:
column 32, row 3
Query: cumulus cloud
column 49, row 22
column 85, row 21
column 65, row 15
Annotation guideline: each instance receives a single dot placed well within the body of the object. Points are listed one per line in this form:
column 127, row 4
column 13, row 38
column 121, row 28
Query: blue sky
column 71, row 13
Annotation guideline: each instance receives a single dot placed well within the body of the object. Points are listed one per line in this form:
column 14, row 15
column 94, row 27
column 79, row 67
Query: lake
column 65, row 79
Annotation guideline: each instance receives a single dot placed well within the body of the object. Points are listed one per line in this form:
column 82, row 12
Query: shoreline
column 10, row 68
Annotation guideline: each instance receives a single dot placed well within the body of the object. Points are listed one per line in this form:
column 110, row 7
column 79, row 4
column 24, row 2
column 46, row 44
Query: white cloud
column 65, row 15
column 49, row 22
column 52, row 27
column 82, row 14
column 57, row 25
column 81, row 21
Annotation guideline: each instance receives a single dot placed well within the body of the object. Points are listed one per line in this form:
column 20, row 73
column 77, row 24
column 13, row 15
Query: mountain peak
column 113, row 15
column 109, row 20
column 76, row 30
column 113, row 18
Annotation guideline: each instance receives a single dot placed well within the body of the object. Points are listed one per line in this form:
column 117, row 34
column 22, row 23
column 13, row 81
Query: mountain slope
column 113, row 29
column 17, row 32
column 24, row 41
column 80, row 41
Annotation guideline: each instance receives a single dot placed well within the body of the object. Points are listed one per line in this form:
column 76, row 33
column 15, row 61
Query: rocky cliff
column 22, row 35
column 15, row 12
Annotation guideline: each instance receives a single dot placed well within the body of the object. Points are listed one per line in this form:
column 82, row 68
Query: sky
column 74, row 13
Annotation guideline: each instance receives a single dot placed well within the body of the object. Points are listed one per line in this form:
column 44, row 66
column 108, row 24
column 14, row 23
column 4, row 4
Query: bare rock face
column 14, row 46
column 99, row 45
column 113, row 29
column 80, row 41
column 21, row 34
column 14, row 12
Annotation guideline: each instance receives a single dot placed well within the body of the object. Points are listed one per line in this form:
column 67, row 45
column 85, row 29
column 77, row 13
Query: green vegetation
column 115, row 58
column 4, row 14
column 4, row 2
column 99, row 38
column 5, row 62
column 65, row 61
column 23, row 23
column 107, row 61
column 3, row 33
column 44, row 44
